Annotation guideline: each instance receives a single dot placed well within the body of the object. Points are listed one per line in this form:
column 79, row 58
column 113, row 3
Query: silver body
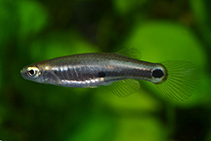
column 94, row 69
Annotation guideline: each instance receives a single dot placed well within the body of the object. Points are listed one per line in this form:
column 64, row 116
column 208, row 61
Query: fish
column 121, row 71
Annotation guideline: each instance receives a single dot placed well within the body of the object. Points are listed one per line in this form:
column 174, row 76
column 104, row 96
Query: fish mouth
column 23, row 74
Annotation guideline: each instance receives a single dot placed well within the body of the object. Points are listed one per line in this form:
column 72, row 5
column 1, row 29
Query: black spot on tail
column 101, row 74
column 157, row 73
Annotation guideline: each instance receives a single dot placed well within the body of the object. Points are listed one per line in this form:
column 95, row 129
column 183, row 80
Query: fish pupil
column 31, row 72
column 157, row 73
column 102, row 74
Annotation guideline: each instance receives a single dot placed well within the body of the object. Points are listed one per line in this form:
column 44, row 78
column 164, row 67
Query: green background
column 36, row 30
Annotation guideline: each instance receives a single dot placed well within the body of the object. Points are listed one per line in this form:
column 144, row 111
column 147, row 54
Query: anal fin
column 125, row 88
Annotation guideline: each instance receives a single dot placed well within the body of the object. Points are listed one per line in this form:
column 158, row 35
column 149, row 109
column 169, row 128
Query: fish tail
column 181, row 79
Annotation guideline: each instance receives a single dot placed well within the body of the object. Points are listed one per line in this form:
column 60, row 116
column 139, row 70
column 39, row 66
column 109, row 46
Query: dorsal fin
column 130, row 52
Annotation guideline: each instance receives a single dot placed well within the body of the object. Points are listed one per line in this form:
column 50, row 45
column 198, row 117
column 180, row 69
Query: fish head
column 32, row 73
column 41, row 73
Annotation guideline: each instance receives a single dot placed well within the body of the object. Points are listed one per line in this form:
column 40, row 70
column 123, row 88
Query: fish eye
column 33, row 72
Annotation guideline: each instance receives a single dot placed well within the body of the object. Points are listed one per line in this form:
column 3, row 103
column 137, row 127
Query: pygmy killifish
column 121, row 71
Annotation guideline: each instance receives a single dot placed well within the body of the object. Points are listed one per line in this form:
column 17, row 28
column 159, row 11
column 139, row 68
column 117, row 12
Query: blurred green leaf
column 60, row 44
column 1, row 77
column 209, row 136
column 98, row 127
column 140, row 101
column 200, row 11
column 140, row 129
column 124, row 6
column 8, row 25
column 162, row 41
column 33, row 18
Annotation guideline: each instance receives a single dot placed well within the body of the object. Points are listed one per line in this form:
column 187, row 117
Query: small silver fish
column 121, row 70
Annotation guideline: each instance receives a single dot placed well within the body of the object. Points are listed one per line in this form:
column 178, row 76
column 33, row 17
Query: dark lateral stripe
column 146, row 73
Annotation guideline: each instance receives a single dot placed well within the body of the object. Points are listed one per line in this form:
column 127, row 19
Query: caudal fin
column 182, row 79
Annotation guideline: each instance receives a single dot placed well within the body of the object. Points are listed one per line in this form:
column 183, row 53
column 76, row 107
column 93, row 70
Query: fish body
column 117, row 70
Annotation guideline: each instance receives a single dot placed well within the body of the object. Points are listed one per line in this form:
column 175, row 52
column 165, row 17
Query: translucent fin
column 130, row 52
column 125, row 88
column 181, row 81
